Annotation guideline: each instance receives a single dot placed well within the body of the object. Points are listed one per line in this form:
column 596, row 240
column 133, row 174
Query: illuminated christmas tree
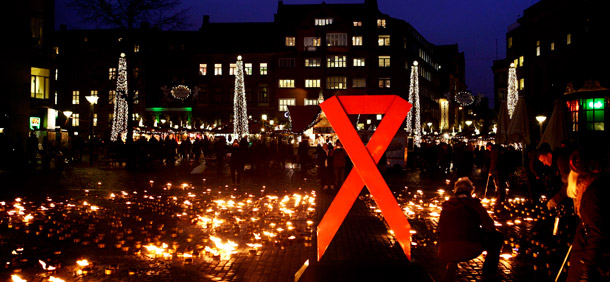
column 513, row 93
column 413, row 117
column 119, row 122
column 240, row 113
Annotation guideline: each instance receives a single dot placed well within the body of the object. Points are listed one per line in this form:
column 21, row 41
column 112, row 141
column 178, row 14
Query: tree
column 240, row 114
column 128, row 14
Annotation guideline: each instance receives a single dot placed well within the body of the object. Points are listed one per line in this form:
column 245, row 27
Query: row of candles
column 166, row 223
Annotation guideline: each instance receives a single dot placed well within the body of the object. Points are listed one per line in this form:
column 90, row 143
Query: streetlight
column 92, row 100
column 264, row 118
column 540, row 120
column 430, row 126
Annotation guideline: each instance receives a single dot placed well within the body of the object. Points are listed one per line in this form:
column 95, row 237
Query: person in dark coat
column 465, row 230
column 589, row 186
column 339, row 159
column 325, row 165
column 237, row 162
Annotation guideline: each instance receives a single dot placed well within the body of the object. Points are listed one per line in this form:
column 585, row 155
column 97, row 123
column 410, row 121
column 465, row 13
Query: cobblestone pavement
column 363, row 249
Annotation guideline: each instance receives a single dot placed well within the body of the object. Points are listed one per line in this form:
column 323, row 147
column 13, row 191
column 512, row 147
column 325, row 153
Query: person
column 324, row 165
column 562, row 160
column 32, row 149
column 496, row 172
column 588, row 185
column 237, row 162
column 465, row 230
column 339, row 159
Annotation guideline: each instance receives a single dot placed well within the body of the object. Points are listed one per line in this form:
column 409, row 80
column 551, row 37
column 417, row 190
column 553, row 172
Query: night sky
column 477, row 26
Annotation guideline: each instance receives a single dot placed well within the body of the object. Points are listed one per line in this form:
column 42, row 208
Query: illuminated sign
column 34, row 123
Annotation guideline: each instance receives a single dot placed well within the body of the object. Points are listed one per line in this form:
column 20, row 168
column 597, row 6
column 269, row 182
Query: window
column 521, row 83
column 263, row 68
column 383, row 40
column 312, row 41
column 136, row 72
column 516, row 63
column 203, row 69
column 573, row 107
column 286, row 83
column 290, row 41
column 384, row 82
column 136, row 97
column 110, row 117
column 111, row 96
column 75, row 119
column 594, row 113
column 217, row 98
column 312, row 83
column 217, row 69
column 537, row 48
column 358, row 62
column 336, row 61
column 39, row 86
column 56, row 49
column 75, row 97
column 552, row 46
column 312, row 62
column 336, row 39
column 285, row 102
column 136, row 48
column 263, row 93
column 94, row 93
column 323, row 22
column 384, row 61
column 203, row 94
column 569, row 39
column 336, row 82
column 311, row 102
column 287, row 63
column 232, row 69
column 381, row 23
column 359, row 83
column 248, row 68
column 111, row 73
column 357, row 23
column 357, row 40
column 510, row 42
column 521, row 59
column 36, row 25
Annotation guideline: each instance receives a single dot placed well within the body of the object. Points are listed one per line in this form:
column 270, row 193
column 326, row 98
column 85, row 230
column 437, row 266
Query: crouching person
column 466, row 230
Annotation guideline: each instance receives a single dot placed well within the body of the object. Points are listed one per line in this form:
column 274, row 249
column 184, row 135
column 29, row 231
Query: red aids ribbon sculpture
column 365, row 171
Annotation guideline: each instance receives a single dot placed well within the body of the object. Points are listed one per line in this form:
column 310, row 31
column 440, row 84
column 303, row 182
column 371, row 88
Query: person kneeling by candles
column 466, row 230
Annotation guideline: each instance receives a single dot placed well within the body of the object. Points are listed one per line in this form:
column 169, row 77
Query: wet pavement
column 137, row 212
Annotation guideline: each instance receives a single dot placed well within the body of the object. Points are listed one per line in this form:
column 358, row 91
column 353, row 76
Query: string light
column 119, row 122
column 240, row 113
column 414, row 100
column 513, row 92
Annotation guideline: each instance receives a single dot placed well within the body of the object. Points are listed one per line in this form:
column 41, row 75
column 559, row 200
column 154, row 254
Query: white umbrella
column 502, row 129
column 556, row 128
column 519, row 127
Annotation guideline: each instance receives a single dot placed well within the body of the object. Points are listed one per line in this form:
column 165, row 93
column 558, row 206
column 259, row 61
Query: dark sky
column 477, row 26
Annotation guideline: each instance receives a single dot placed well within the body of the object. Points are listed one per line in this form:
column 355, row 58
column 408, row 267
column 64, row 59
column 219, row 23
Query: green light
column 598, row 105
column 160, row 109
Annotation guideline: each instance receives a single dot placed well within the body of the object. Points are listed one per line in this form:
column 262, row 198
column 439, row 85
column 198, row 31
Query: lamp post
column 540, row 119
column 429, row 127
column 92, row 100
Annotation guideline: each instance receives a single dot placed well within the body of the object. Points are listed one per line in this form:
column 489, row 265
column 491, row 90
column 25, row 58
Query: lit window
column 290, row 41
column 569, row 39
column 136, row 97
column 384, row 61
column 263, row 68
column 75, row 97
column 75, row 119
column 311, row 102
column 552, row 46
column 313, row 62
column 232, row 68
column 217, row 69
column 136, row 48
column 110, row 117
column 357, row 40
column 286, row 83
column 521, row 83
column 516, row 62
column 336, row 82
column 384, row 82
column 287, row 63
column 111, row 96
column 381, row 23
column 94, row 93
column 312, row 41
column 573, row 107
column 594, row 113
column 263, row 93
column 358, row 62
column 312, row 83
column 111, row 73
column 537, row 48
column 359, row 83
column 336, row 61
column 510, row 42
column 203, row 69
column 336, row 39
column 323, row 22
column 248, row 68
column 357, row 23
column 521, row 61
column 56, row 49
column 383, row 40
column 39, row 86
column 285, row 102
